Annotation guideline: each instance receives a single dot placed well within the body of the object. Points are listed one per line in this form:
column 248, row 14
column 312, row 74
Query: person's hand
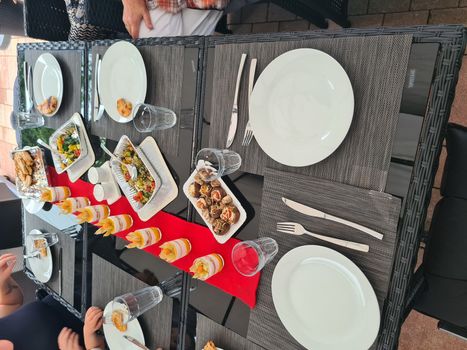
column 133, row 12
column 92, row 323
column 68, row 340
column 7, row 264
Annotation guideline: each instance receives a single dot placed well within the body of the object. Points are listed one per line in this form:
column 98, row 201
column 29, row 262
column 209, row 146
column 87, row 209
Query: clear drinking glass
column 133, row 305
column 249, row 257
column 27, row 120
column 217, row 162
column 148, row 118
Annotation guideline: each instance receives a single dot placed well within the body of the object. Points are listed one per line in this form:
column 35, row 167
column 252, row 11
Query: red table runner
column 173, row 227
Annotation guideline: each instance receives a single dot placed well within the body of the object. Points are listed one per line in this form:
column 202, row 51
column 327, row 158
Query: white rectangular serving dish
column 53, row 144
column 233, row 228
column 127, row 190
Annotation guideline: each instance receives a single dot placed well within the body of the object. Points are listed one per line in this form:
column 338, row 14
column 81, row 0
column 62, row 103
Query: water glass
column 249, row 257
column 27, row 120
column 137, row 303
column 217, row 162
column 148, row 118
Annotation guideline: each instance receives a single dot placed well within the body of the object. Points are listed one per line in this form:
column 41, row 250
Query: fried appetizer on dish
column 124, row 107
column 48, row 106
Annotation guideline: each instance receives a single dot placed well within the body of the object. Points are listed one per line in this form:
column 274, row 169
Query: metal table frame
column 452, row 40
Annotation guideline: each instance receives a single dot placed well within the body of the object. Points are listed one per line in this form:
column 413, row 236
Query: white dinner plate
column 123, row 75
column 47, row 81
column 114, row 337
column 324, row 300
column 41, row 267
column 301, row 107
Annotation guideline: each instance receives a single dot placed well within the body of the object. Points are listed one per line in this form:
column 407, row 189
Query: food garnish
column 68, row 147
column 174, row 250
column 207, row 266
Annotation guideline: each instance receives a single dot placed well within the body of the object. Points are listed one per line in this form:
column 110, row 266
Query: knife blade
column 301, row 208
column 96, row 88
column 27, row 87
column 135, row 342
column 234, row 116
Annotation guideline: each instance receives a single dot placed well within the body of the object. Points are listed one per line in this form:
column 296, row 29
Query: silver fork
column 298, row 230
column 248, row 135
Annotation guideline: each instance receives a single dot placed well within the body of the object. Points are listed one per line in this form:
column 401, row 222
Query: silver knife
column 234, row 117
column 27, row 87
column 135, row 342
column 60, row 262
column 301, row 208
column 98, row 108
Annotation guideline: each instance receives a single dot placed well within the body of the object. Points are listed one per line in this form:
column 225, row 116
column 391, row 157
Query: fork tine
column 286, row 228
column 245, row 137
column 287, row 223
column 284, row 231
column 250, row 137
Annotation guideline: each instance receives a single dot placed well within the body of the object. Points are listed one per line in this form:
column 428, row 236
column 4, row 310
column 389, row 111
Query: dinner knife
column 135, row 342
column 234, row 116
column 98, row 108
column 319, row 214
column 27, row 87
column 60, row 262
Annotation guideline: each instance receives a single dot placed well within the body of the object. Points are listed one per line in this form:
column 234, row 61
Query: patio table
column 415, row 117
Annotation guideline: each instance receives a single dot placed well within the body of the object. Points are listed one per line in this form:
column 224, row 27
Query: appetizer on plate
column 72, row 204
column 210, row 346
column 48, row 106
column 174, row 250
column 55, row 194
column 214, row 204
column 207, row 266
column 24, row 166
column 117, row 320
column 113, row 224
column 144, row 184
column 40, row 244
column 93, row 213
column 144, row 237
column 124, row 107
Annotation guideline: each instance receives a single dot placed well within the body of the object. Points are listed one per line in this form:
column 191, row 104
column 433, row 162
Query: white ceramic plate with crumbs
column 301, row 107
column 233, row 228
column 114, row 337
column 123, row 75
column 47, row 81
column 41, row 267
column 324, row 300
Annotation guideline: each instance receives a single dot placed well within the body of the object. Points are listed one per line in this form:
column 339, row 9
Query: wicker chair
column 48, row 19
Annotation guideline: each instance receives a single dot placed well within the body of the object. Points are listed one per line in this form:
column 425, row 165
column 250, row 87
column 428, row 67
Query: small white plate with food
column 216, row 204
column 42, row 265
column 47, row 85
column 122, row 81
column 114, row 337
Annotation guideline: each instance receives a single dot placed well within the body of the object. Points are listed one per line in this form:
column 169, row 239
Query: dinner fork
column 131, row 168
column 248, row 135
column 298, row 230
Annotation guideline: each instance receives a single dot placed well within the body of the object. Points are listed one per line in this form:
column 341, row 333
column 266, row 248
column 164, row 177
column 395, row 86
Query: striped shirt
column 175, row 6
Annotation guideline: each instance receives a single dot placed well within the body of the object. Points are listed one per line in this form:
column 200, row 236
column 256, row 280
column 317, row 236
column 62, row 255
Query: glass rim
column 261, row 256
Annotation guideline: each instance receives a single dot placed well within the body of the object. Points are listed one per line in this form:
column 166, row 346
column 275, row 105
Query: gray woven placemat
column 207, row 330
column 164, row 68
column 376, row 67
column 68, row 257
column 375, row 210
column 71, row 62
column 109, row 281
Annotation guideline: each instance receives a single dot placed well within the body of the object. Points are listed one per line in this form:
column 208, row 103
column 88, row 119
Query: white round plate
column 32, row 206
column 301, row 107
column 114, row 337
column 122, row 75
column 47, row 80
column 40, row 267
column 324, row 300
